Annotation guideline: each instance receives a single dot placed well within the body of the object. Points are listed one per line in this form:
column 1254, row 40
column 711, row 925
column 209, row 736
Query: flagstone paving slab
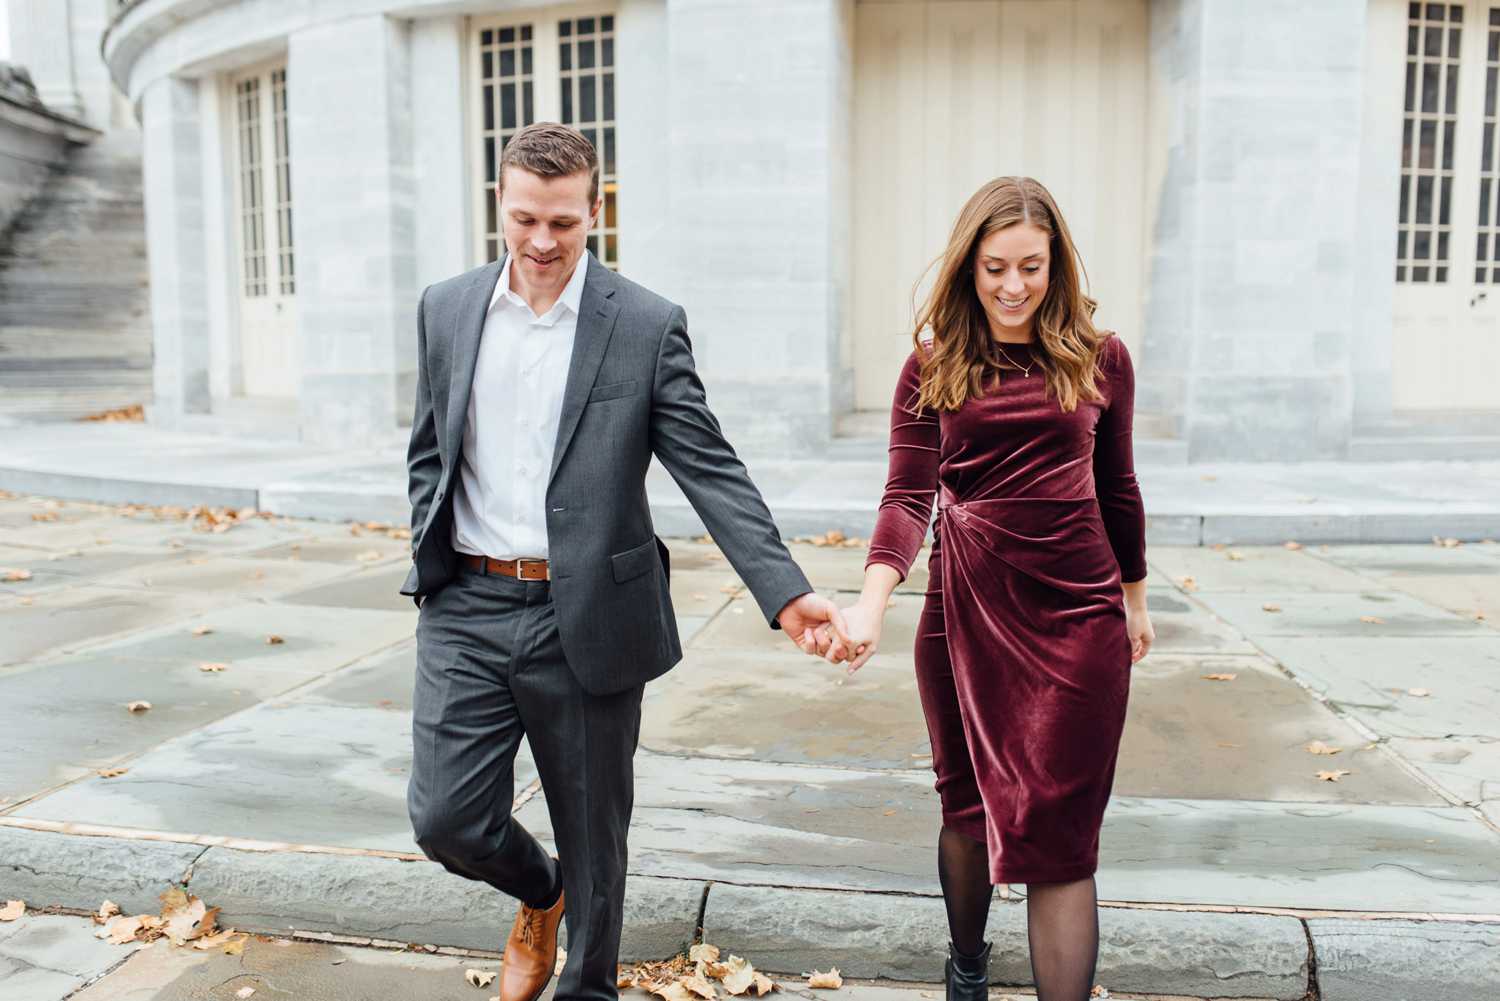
column 46, row 957
column 375, row 587
column 1183, row 625
column 1334, row 615
column 1469, row 595
column 230, row 578
column 1251, row 568
column 1372, row 678
column 66, row 620
column 1404, row 560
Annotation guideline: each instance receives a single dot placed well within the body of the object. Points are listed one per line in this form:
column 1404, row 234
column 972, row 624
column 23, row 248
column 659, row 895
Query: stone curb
column 1405, row 960
column 67, row 870
column 784, row 930
column 373, row 897
column 891, row 936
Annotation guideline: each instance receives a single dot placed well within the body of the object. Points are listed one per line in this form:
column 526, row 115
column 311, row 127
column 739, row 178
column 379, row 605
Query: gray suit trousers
column 490, row 669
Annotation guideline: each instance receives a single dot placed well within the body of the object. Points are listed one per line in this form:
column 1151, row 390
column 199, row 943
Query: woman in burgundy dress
column 1016, row 417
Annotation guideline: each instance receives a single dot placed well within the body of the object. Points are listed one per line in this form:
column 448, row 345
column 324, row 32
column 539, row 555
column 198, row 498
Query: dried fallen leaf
column 107, row 910
column 244, row 992
column 1292, row 545
column 201, row 630
column 1219, row 677
column 1420, row 693
column 562, row 960
column 1188, row 584
column 1270, row 607
column 673, row 991
column 479, row 978
column 111, row 773
column 138, row 706
column 237, row 946
column 186, row 917
column 1235, row 555
column 214, row 667
column 218, row 940
column 15, row 576
column 1445, row 543
column 830, row 981
column 1334, row 775
column 763, row 984
column 703, row 952
column 1318, row 747
column 369, row 556
column 696, row 984
column 274, row 640
column 1373, row 620
column 12, row 910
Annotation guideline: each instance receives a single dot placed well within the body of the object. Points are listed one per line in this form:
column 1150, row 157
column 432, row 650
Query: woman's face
column 1010, row 278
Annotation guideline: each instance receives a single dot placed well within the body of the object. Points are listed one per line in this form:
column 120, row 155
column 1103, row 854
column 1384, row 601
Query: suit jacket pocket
column 632, row 563
column 612, row 391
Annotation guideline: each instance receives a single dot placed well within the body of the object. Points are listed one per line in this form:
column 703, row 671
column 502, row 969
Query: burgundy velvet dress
column 1023, row 662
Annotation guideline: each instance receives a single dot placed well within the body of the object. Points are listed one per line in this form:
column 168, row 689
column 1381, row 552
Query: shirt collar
column 571, row 297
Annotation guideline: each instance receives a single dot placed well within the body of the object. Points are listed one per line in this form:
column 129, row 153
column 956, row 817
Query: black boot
column 968, row 977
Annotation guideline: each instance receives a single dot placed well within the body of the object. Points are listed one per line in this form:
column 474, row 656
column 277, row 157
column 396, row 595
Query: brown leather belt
column 521, row 569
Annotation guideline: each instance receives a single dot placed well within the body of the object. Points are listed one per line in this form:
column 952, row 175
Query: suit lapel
column 472, row 310
column 596, row 322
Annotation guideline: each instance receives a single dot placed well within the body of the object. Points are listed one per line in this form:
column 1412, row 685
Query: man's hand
column 803, row 615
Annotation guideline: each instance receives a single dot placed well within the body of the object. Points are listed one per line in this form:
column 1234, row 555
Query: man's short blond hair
column 550, row 150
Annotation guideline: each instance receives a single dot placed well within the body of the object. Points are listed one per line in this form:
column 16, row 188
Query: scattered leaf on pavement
column 1292, row 545
column 696, row 984
column 211, row 667
column 1373, row 620
column 244, row 992
column 1219, row 677
column 1188, row 584
column 202, row 630
column 1334, row 775
column 1270, row 607
column 1235, row 555
column 107, row 910
column 830, row 981
column 1420, row 693
column 479, row 978
column 274, row 640
column 112, row 773
column 15, row 576
column 1445, row 543
column 12, row 910
column 1318, row 747
column 703, row 952
column 137, row 706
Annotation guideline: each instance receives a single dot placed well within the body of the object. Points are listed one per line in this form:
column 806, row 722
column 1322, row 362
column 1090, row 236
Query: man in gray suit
column 545, row 384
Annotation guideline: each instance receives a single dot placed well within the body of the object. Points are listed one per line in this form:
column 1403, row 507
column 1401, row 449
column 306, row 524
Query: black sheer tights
column 1062, row 919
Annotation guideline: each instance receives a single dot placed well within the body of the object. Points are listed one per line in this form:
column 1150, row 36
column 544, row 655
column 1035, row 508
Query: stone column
column 41, row 39
column 349, row 98
column 96, row 93
column 1251, row 316
column 173, row 190
column 444, row 230
column 758, row 161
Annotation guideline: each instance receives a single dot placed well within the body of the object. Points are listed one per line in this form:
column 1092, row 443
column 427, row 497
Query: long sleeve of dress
column 912, row 480
column 1114, row 465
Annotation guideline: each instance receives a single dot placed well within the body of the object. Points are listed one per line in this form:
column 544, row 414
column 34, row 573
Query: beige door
column 1441, row 80
column 263, row 229
column 951, row 94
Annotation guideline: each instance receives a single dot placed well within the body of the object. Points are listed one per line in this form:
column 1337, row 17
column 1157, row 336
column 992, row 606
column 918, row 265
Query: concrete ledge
column 367, row 896
column 1405, row 960
column 68, row 870
column 117, row 490
column 889, row 936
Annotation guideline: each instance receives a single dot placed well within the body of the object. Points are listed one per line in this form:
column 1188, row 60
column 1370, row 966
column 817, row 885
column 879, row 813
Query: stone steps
column 75, row 322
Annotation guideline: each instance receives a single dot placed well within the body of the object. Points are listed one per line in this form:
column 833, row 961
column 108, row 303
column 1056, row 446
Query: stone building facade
column 1286, row 209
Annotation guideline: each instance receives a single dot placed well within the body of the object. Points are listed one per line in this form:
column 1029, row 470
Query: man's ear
column 594, row 212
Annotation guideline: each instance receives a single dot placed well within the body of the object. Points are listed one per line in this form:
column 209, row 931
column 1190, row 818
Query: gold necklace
column 1012, row 362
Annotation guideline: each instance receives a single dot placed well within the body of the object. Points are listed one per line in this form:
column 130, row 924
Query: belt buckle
column 521, row 569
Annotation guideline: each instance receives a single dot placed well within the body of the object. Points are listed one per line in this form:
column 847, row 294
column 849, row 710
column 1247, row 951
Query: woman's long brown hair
column 964, row 361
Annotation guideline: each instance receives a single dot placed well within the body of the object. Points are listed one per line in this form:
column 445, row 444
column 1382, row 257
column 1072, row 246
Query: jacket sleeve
column 424, row 467
column 686, row 438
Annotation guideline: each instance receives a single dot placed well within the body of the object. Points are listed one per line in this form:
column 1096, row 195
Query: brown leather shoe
column 531, row 952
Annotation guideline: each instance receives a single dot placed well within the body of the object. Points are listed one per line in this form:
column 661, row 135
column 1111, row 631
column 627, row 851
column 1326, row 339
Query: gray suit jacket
column 631, row 392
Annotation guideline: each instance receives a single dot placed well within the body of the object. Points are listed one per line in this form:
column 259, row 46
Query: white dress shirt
column 510, row 432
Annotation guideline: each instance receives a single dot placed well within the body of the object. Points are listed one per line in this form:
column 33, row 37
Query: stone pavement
column 783, row 811
column 1191, row 505
column 45, row 957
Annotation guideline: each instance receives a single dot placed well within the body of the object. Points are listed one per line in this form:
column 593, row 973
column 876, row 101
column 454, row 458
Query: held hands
column 863, row 622
column 813, row 623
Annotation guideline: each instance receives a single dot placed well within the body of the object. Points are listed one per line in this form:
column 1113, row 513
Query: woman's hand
column 1137, row 621
column 863, row 621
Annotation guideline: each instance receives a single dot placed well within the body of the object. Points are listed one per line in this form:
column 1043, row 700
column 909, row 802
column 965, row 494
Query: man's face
column 546, row 222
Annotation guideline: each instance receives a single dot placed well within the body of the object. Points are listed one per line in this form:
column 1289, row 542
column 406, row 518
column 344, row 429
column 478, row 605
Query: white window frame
column 547, row 97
